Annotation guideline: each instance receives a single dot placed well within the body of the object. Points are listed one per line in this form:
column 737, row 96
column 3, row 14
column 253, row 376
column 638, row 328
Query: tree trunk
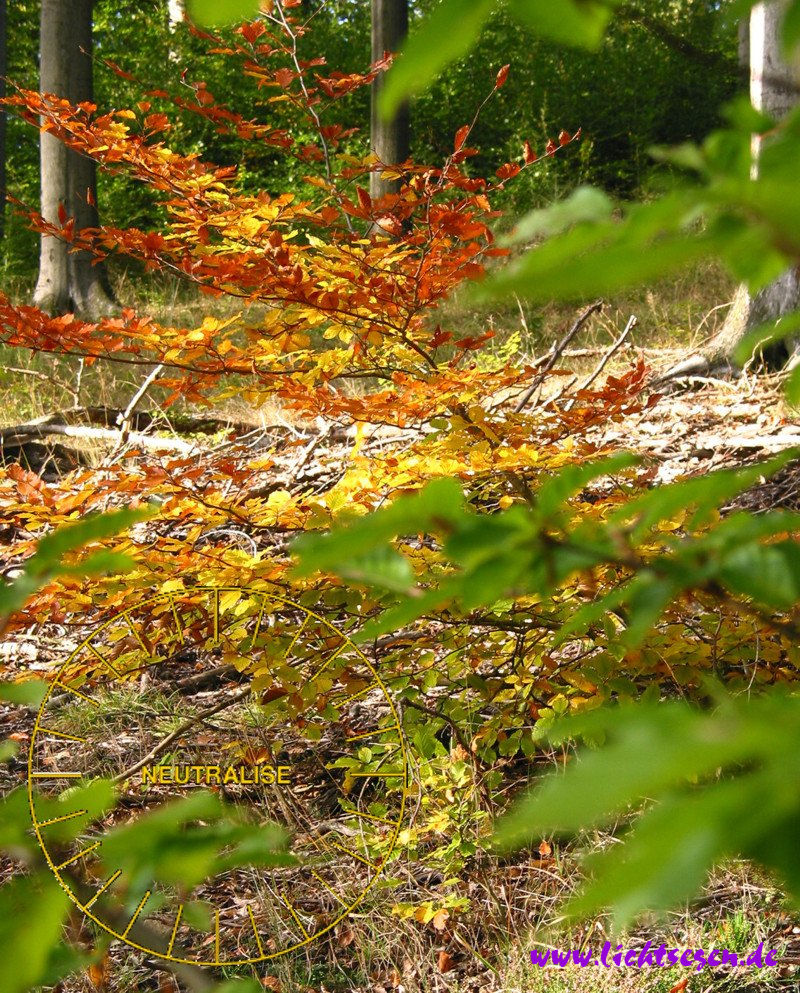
column 390, row 139
column 3, row 71
column 89, row 287
column 773, row 90
column 174, row 13
column 68, row 281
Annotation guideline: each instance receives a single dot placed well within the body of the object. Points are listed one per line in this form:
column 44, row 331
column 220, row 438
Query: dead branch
column 609, row 354
column 173, row 736
column 211, row 678
column 555, row 354
column 18, row 434
column 125, row 419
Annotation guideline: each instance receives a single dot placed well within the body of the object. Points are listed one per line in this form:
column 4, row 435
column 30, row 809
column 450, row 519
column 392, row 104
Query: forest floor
column 689, row 429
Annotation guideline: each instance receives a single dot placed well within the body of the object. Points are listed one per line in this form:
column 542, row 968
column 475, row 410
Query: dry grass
column 674, row 316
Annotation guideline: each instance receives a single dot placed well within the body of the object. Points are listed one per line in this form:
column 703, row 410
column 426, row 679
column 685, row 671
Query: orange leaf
column 445, row 962
column 545, row 849
column 273, row 693
column 502, row 76
column 99, row 973
column 461, row 137
column 680, row 987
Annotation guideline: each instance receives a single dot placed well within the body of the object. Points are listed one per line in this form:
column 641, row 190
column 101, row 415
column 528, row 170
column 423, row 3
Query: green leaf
column 382, row 568
column 209, row 13
column 15, row 822
column 703, row 493
column 791, row 29
column 408, row 610
column 590, row 260
column 586, row 204
column 32, row 909
column 650, row 749
column 447, row 34
column 723, row 782
column 648, row 600
column 766, row 334
column 239, row 986
column 666, row 857
column 553, row 494
column 94, row 799
column 770, row 574
column 27, row 694
column 580, row 23
column 166, row 844
column 438, row 505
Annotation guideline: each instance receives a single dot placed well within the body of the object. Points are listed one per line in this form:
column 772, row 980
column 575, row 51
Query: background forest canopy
column 661, row 77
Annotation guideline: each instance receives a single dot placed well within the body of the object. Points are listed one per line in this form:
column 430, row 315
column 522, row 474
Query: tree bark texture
column 773, row 90
column 3, row 71
column 68, row 281
column 390, row 139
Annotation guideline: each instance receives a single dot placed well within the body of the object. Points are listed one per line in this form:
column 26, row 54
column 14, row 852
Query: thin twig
column 632, row 322
column 556, row 354
column 127, row 414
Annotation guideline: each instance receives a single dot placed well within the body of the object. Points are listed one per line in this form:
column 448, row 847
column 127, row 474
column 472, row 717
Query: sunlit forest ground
column 486, row 945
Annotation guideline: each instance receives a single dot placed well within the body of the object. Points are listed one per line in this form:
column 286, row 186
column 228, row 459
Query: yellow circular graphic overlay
column 225, row 696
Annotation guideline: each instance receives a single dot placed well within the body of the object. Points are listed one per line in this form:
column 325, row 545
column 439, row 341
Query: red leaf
column 508, row 171
column 461, row 137
column 564, row 138
column 364, row 199
column 284, row 77
column 529, row 154
column 252, row 32
column 552, row 147
column 502, row 76
column 62, row 213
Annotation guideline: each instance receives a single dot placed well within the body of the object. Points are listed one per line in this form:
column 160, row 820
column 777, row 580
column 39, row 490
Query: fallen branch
column 210, row 678
column 609, row 354
column 173, row 736
column 18, row 434
column 555, row 354
column 127, row 414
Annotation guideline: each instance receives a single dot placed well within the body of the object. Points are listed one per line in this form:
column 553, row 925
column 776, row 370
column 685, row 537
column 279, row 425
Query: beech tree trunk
column 68, row 281
column 390, row 140
column 3, row 71
column 773, row 89
column 174, row 13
